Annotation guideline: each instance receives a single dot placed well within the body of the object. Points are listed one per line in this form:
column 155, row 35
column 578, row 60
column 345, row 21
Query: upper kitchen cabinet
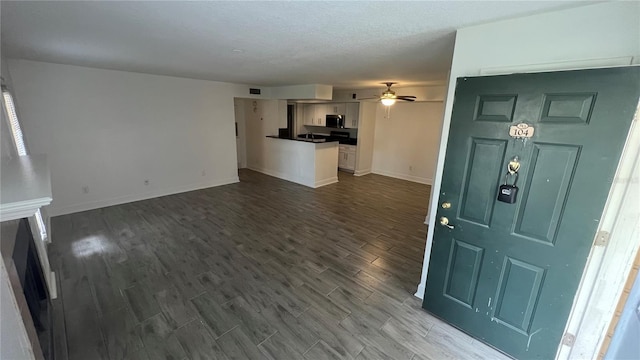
column 308, row 114
column 351, row 115
column 314, row 114
column 321, row 114
column 336, row 109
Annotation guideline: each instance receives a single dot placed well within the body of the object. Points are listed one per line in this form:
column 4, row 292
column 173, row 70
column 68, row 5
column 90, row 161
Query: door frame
column 239, row 114
column 607, row 266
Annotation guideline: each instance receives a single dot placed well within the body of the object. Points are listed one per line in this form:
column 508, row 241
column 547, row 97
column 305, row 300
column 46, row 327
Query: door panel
column 546, row 190
column 463, row 272
column 495, row 108
column 517, row 296
column 568, row 108
column 507, row 273
column 484, row 163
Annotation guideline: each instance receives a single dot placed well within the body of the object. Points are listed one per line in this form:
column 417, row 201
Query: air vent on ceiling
column 253, row 91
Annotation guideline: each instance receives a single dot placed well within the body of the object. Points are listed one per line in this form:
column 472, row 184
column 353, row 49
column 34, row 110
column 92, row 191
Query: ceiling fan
column 389, row 96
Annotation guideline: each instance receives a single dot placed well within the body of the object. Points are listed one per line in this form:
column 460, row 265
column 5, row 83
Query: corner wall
column 105, row 132
column 262, row 118
column 407, row 138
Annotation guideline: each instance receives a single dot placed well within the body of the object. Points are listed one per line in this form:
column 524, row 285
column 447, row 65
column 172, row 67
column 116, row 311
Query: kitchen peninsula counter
column 310, row 163
column 309, row 140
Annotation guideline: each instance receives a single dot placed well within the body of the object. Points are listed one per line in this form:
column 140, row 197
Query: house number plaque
column 521, row 131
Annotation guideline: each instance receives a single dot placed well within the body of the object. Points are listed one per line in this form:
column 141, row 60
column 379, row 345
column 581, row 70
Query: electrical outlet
column 85, row 189
column 146, row 182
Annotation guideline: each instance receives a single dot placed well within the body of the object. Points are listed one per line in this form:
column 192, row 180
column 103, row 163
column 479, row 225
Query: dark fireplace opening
column 27, row 263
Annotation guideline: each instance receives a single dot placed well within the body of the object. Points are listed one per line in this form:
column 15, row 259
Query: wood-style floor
column 262, row 269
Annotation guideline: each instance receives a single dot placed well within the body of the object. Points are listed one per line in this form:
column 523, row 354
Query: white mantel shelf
column 25, row 186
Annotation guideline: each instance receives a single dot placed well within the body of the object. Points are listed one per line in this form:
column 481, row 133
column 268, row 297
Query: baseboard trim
column 283, row 176
column 326, row 182
column 412, row 178
column 138, row 197
column 362, row 172
column 420, row 291
column 299, row 181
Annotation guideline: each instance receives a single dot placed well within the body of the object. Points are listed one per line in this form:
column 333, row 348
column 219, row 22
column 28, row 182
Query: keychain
column 514, row 165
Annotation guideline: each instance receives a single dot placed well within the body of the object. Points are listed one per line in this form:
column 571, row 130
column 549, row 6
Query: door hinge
column 568, row 339
column 602, row 238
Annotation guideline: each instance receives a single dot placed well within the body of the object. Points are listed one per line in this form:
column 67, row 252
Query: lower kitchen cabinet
column 347, row 157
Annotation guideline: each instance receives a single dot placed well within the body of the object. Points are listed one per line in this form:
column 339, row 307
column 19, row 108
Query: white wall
column 601, row 34
column 311, row 91
column 110, row 130
column 407, row 138
column 262, row 118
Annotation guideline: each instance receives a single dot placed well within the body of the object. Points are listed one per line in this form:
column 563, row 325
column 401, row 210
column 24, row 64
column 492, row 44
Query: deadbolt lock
column 446, row 205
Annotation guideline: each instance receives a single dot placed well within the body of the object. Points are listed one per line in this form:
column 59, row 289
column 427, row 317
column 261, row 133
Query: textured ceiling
column 345, row 44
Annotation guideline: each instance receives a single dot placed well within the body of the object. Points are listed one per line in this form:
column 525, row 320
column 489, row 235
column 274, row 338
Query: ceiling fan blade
column 405, row 97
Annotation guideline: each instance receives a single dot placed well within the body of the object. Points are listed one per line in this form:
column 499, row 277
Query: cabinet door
column 308, row 114
column 336, row 109
column 352, row 112
column 350, row 161
column 342, row 160
column 320, row 114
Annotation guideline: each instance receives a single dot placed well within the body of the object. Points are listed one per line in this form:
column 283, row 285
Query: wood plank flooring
column 262, row 269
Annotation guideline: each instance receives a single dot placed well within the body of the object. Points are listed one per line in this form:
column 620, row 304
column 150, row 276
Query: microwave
column 335, row 121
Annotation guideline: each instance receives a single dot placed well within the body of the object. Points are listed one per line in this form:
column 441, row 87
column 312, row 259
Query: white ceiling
column 345, row 44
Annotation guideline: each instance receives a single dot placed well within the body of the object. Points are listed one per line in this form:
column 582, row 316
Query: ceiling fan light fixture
column 387, row 101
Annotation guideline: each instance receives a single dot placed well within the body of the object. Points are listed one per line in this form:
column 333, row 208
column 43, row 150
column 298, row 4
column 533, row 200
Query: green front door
column 508, row 273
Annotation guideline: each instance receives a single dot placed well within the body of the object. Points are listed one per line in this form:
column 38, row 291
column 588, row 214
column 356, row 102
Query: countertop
column 314, row 141
column 341, row 140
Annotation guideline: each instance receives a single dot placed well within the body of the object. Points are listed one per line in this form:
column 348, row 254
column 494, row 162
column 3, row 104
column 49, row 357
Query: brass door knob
column 444, row 221
column 446, row 205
